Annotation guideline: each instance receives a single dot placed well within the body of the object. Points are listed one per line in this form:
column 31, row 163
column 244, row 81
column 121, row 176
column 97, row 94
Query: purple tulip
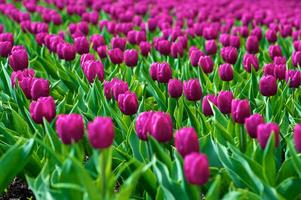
column 67, row 52
column 175, row 88
column 280, row 71
column 268, row 85
column 196, row 168
column 192, row 90
column 240, row 110
column 297, row 137
column 269, row 69
column 257, row 32
column 206, row 63
column 145, row 48
column 250, row 61
column 70, row 128
column 44, row 107
column 85, row 57
column 18, row 60
column 164, row 47
column 128, row 103
column 224, row 101
column 97, row 41
column 19, row 75
column 271, row 36
column 264, row 131
column 101, row 132
column 93, row 69
column 143, row 125
column 296, row 58
column 206, row 107
column 235, row 41
column 195, row 56
column 161, row 126
column 279, row 60
column 131, row 57
column 229, row 54
column 176, row 50
column 82, row 45
column 274, row 51
column 225, row 72
column 102, row 51
column 252, row 45
column 39, row 88
column 160, row 72
column 186, row 141
column 117, row 87
column 211, row 47
column 5, row 48
column 293, row 78
column 116, row 56
column 118, row 42
column 224, row 39
column 251, row 124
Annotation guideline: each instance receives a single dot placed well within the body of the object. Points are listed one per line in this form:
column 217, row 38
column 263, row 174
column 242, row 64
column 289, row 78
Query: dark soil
column 18, row 189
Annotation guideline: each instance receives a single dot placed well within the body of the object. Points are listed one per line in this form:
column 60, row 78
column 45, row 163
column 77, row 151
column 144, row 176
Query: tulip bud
column 206, row 63
column 19, row 75
column 297, row 137
column 192, row 90
column 118, row 87
column 264, row 131
column 176, row 50
column 161, row 126
column 145, row 48
column 186, row 141
column 206, row 107
column 175, row 88
column 224, row 39
column 274, row 51
column 252, row 45
column 224, row 101
column 296, row 58
column 116, row 56
column 128, row 103
column 271, row 36
column 102, row 51
column 160, row 72
column 251, row 124
column 240, row 110
column 235, row 41
column 93, row 69
column 225, row 72
column 250, row 61
column 131, row 57
column 18, row 60
column 279, row 60
column 229, row 54
column 82, row 45
column 196, row 168
column 257, row 32
column 195, row 56
column 143, row 125
column 101, row 132
column 39, row 88
column 5, row 48
column 44, row 107
column 268, row 85
column 85, row 57
column 97, row 41
column 210, row 47
column 117, row 42
column 269, row 69
column 68, row 52
column 293, row 78
column 70, row 127
column 164, row 47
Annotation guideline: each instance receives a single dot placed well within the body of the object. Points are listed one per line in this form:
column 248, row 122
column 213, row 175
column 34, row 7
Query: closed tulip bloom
column 211, row 47
column 274, row 51
column 7, row 37
column 118, row 87
column 297, row 137
column 143, row 125
column 44, row 107
column 116, row 56
column 206, row 107
column 19, row 75
column 251, row 124
column 250, row 61
column 264, row 131
column 97, row 41
column 70, row 127
column 39, row 88
column 296, row 58
column 175, row 88
column 225, row 72
column 93, row 69
column 192, row 90
column 279, row 60
column 206, row 63
column 131, row 57
column 280, row 71
column 102, row 51
column 85, row 57
column 145, row 48
column 18, row 60
column 176, row 50
column 271, row 36
column 257, row 32
column 25, row 84
column 196, row 168
column 240, row 110
column 118, row 42
column 229, row 54
column 128, row 103
column 224, row 39
column 161, row 72
column 252, row 45
column 82, row 45
column 235, row 41
column 268, row 85
column 161, row 126
column 5, row 48
column 293, row 78
column 101, row 132
column 269, row 69
column 224, row 101
column 186, row 141
column 68, row 52
column 164, row 47
column 195, row 56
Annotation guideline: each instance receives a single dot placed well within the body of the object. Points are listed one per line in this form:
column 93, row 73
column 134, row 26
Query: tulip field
column 150, row 99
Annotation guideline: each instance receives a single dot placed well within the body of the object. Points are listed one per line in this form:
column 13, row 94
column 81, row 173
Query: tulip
column 257, row 32
column 118, row 42
column 116, row 56
column 85, row 57
column 39, row 88
column 234, row 41
column 210, row 33
column 195, row 56
column 206, row 63
column 68, row 52
column 19, row 75
column 192, row 90
column 279, row 60
column 118, row 87
column 229, row 54
column 97, row 41
column 268, row 85
column 145, row 48
column 82, row 45
column 210, row 47
column 269, row 69
column 164, row 47
column 175, row 88
column 143, row 125
column 293, row 78
column 161, row 126
column 128, row 103
column 70, row 127
column 93, row 69
column 176, row 50
column 160, row 72
column 271, row 36
column 280, row 71
column 250, row 61
column 274, row 51
column 225, row 72
column 252, row 45
column 240, row 110
column 186, row 141
column 196, row 168
column 297, row 137
column 101, row 132
column 264, row 131
column 224, row 101
column 296, row 58
column 251, row 124
column 224, row 39
column 206, row 107
column 102, row 51
column 18, row 60
column 44, row 107
column 131, row 57
column 5, row 48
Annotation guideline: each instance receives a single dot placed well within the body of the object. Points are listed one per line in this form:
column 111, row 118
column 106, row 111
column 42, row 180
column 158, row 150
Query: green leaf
column 268, row 164
column 214, row 189
column 290, row 188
